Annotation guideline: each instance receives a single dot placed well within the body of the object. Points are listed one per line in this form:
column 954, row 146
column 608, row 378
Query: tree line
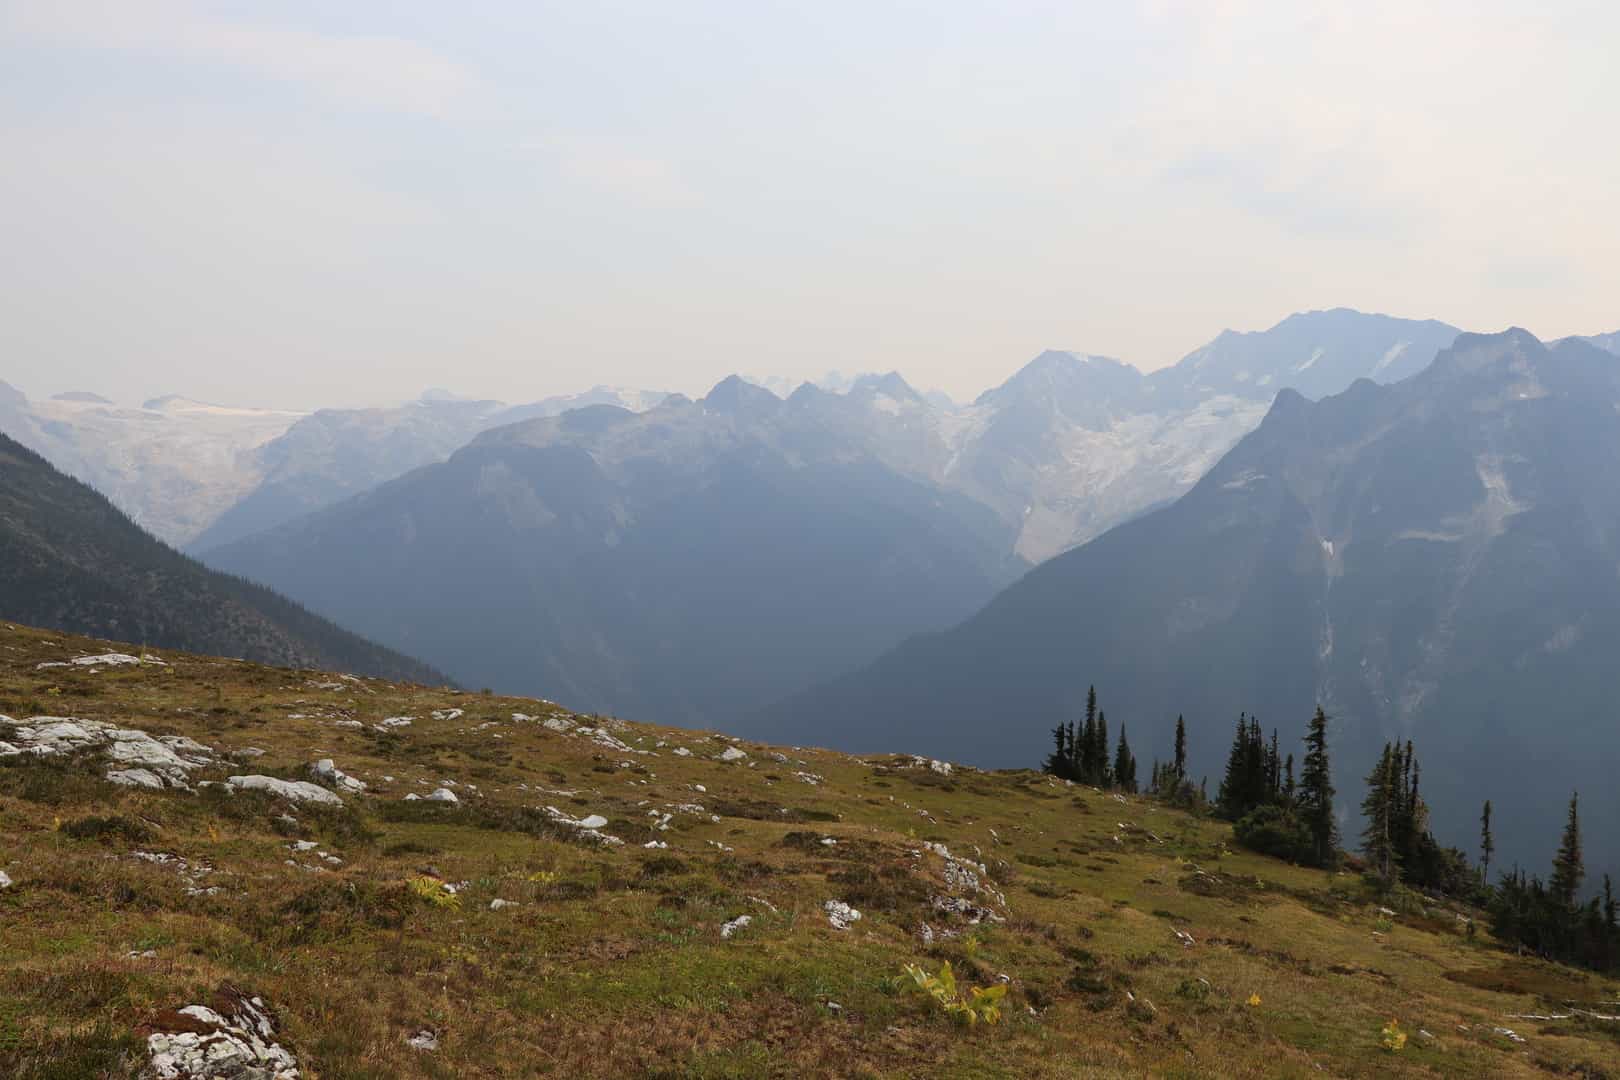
column 1081, row 753
column 1275, row 814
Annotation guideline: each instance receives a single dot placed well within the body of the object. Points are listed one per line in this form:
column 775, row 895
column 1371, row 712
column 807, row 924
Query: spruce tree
column 1099, row 752
column 1231, row 795
column 1085, row 754
column 1378, row 810
column 1181, row 751
column 1288, row 782
column 1124, row 764
column 1568, row 868
column 1057, row 763
column 1273, row 770
column 1316, row 792
column 1487, row 844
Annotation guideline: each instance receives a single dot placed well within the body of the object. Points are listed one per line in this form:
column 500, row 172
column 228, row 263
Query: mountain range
column 1431, row 560
column 700, row 559
column 71, row 561
column 196, row 475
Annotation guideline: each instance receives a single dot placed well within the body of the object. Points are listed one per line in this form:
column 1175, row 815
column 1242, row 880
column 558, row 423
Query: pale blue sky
column 298, row 204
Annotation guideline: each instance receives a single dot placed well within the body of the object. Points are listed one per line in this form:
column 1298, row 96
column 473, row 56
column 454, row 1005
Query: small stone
column 739, row 923
column 5, row 880
column 326, row 772
column 731, row 753
column 498, row 904
column 424, row 1040
column 442, row 795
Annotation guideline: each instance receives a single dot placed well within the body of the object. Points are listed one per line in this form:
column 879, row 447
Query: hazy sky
column 299, row 203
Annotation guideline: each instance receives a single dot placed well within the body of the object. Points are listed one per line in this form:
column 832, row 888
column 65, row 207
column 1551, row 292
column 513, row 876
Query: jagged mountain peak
column 738, row 396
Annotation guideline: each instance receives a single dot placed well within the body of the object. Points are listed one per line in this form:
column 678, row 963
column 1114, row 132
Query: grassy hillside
column 1132, row 939
column 69, row 559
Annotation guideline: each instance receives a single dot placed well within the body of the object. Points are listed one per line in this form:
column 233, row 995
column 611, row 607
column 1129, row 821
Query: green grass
column 611, row 962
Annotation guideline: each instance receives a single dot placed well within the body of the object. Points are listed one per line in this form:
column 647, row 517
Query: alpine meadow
column 720, row 541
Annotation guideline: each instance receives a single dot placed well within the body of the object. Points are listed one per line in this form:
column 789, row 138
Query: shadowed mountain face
column 71, row 561
column 690, row 563
column 1433, row 560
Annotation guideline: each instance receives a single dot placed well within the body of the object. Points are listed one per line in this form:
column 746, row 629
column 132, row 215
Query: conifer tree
column 1273, row 770
column 1288, row 782
column 1057, row 763
column 1085, row 754
column 1099, row 752
column 1377, row 810
column 1487, row 844
column 1231, row 794
column 1254, row 766
column 1181, row 751
column 1316, row 792
column 1124, row 764
column 1568, row 868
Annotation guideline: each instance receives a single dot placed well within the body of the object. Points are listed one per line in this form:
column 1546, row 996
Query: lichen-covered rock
column 731, row 753
column 298, row 791
column 233, row 1036
column 134, row 756
column 442, row 795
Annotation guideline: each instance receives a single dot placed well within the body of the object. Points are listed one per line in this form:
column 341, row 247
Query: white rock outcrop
column 135, row 757
column 840, row 914
column 235, row 1038
column 298, row 791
